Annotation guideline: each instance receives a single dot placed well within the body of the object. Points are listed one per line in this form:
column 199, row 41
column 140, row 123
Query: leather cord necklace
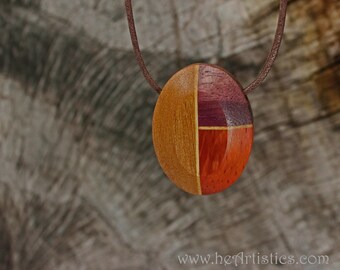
column 203, row 125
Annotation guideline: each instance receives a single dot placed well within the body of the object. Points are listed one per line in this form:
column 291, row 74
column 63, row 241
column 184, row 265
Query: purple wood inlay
column 221, row 101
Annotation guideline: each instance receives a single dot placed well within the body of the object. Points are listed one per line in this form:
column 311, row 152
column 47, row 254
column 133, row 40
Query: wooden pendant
column 203, row 129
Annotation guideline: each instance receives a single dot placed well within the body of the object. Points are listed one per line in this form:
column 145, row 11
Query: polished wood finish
column 221, row 101
column 223, row 157
column 202, row 129
column 175, row 133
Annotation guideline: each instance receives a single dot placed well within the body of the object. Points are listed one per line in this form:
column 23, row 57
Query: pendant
column 203, row 129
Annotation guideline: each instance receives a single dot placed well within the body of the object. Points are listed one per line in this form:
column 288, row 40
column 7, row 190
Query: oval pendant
column 203, row 129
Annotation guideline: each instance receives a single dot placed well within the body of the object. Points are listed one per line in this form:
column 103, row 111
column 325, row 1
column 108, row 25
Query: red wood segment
column 223, row 155
column 221, row 101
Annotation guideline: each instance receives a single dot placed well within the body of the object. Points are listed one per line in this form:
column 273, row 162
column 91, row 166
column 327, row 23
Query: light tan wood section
column 175, row 129
column 225, row 127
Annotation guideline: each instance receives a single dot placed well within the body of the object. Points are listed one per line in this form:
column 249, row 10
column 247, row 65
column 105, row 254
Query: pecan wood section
column 175, row 130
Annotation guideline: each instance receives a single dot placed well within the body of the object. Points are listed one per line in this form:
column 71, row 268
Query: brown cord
column 251, row 87
column 274, row 50
column 136, row 47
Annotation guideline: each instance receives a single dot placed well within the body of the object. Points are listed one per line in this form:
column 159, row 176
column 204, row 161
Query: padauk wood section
column 223, row 157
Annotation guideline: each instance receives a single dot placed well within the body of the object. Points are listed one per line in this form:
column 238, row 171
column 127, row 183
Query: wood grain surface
column 200, row 101
column 221, row 101
column 175, row 130
column 223, row 157
column 80, row 185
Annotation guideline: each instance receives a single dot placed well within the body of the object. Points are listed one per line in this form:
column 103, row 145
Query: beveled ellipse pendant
column 203, row 129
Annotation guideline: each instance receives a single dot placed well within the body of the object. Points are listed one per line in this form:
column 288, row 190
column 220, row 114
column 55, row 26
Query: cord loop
column 251, row 87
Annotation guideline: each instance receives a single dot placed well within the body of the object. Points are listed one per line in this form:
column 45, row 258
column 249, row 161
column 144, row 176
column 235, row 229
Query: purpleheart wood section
column 221, row 101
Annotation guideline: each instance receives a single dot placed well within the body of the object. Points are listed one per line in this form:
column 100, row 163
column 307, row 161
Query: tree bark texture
column 80, row 186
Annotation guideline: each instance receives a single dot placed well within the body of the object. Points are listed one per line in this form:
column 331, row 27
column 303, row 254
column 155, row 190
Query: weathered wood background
column 80, row 187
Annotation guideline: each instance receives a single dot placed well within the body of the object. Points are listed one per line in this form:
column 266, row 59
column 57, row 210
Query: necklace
column 203, row 125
